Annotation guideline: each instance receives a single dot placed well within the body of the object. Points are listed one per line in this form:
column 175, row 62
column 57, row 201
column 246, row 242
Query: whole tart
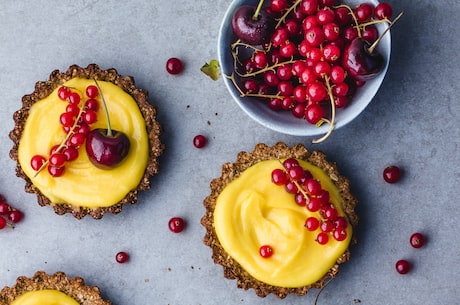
column 257, row 231
column 85, row 189
column 55, row 288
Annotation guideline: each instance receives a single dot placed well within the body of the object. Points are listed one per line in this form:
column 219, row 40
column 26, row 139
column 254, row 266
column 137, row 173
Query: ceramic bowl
column 284, row 121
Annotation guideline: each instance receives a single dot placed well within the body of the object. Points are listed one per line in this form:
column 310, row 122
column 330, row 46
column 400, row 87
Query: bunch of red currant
column 8, row 214
column 301, row 67
column 308, row 192
column 76, row 121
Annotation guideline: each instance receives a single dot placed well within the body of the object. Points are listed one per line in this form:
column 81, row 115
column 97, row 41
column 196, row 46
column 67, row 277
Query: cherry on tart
column 106, row 150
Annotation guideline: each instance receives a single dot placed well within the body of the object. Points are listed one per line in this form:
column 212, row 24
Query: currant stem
column 291, row 8
column 353, row 16
column 109, row 128
column 374, row 45
column 332, row 121
column 69, row 134
column 259, row 7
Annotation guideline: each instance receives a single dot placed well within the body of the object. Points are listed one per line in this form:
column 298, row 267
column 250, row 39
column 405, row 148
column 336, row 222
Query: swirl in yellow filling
column 83, row 184
column 252, row 211
column 44, row 297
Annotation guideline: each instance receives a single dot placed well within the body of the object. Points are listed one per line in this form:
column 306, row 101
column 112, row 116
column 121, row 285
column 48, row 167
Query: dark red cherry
column 251, row 28
column 104, row 150
column 361, row 63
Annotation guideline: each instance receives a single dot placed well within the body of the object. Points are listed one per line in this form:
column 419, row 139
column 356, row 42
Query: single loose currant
column 122, row 257
column 174, row 66
column 266, row 251
column 392, row 174
column 417, row 240
column 176, row 224
column 200, row 141
column 403, row 266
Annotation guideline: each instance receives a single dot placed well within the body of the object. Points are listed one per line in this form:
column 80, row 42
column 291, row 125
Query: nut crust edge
column 230, row 171
column 149, row 112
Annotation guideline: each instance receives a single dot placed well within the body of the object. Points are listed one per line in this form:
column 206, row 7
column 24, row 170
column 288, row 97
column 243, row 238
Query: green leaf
column 211, row 69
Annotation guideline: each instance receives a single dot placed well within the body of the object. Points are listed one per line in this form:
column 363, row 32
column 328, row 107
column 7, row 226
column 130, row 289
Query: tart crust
column 230, row 171
column 73, row 287
column 149, row 112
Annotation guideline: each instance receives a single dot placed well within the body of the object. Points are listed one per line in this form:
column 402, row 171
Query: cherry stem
column 259, row 7
column 374, row 45
column 109, row 128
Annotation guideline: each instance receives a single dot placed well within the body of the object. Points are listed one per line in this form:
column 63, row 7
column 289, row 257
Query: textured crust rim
column 74, row 287
column 149, row 112
column 230, row 171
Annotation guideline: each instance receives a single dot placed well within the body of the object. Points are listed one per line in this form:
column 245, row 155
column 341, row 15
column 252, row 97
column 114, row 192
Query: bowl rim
column 283, row 121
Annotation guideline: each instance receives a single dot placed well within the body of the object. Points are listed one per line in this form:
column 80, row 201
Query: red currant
column 67, row 119
column 5, row 208
column 312, row 223
column 71, row 153
column 403, row 266
column 121, row 257
column 314, row 204
column 176, row 224
column 174, row 66
column 391, row 174
column 15, row 216
column 37, row 162
column 92, row 91
column 63, row 93
column 200, row 141
column 92, row 104
column 89, row 117
column 56, row 171
column 3, row 223
column 312, row 186
column 74, row 98
column 383, row 10
column 322, row 238
column 309, row 7
column 314, row 113
column 417, row 240
column 266, row 251
column 278, row 5
column 340, row 234
column 57, row 159
column 279, row 177
column 364, row 12
column 291, row 187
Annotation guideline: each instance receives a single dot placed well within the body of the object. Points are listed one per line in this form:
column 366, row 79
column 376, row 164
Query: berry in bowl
column 305, row 67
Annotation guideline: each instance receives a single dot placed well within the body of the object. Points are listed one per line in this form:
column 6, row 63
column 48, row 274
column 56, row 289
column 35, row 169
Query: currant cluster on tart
column 280, row 220
column 86, row 141
column 55, row 288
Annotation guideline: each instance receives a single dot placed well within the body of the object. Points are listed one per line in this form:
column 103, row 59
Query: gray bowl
column 283, row 121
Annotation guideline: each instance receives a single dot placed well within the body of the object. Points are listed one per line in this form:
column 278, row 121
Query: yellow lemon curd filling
column 45, row 297
column 252, row 211
column 83, row 184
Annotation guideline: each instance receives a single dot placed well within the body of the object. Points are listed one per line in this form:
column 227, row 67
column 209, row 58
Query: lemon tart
column 56, row 121
column 280, row 220
column 55, row 288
